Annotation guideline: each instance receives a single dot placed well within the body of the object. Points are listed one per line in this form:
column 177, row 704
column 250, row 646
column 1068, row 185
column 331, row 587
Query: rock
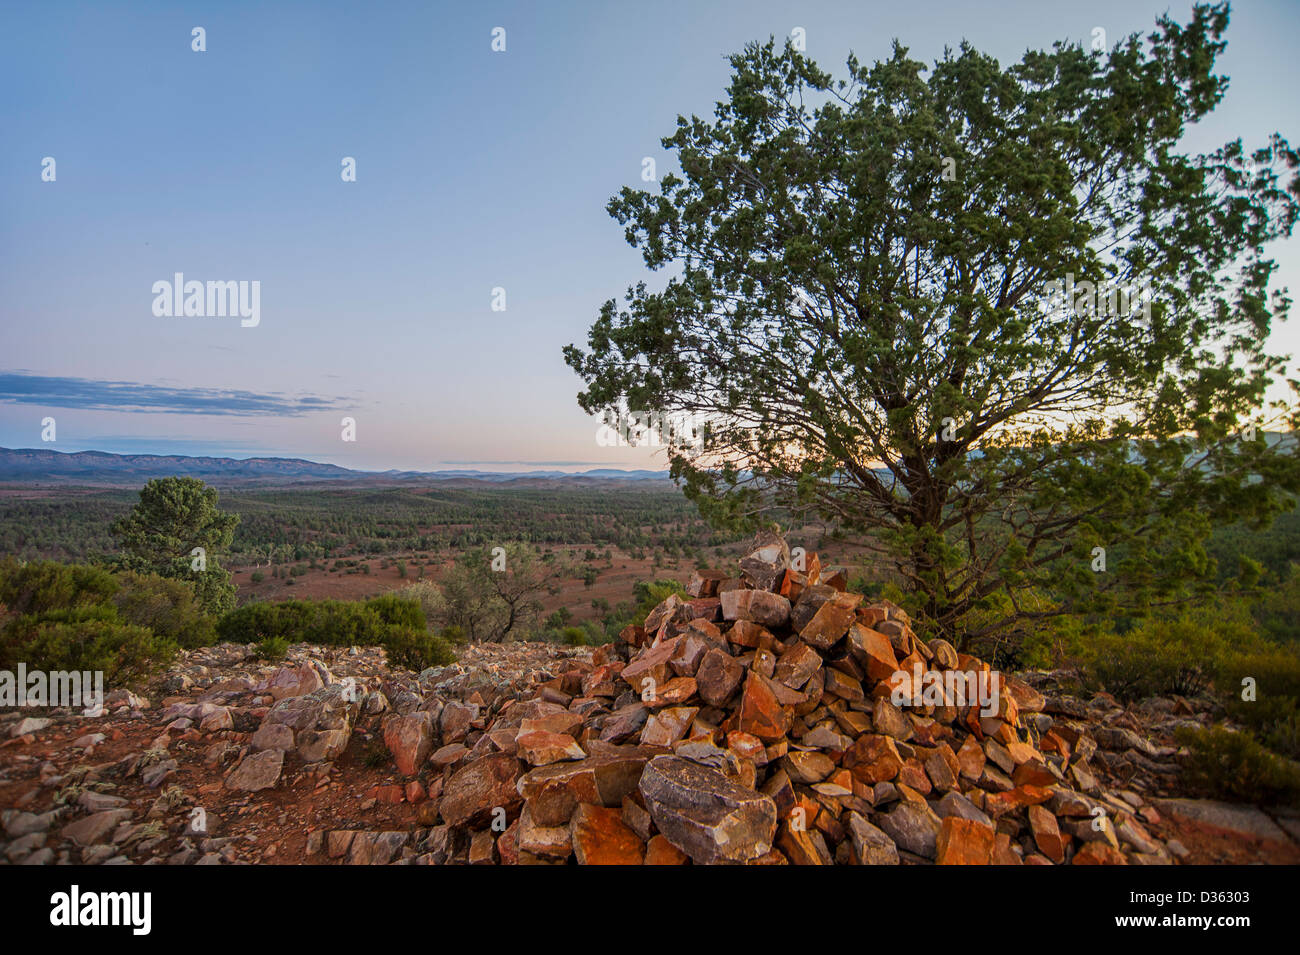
column 964, row 842
column 718, row 677
column 479, row 787
column 554, row 792
column 29, row 724
column 914, row 827
column 659, row 851
column 761, row 714
column 870, row 845
column 272, row 736
column 1047, row 835
column 257, row 771
column 705, row 814
column 96, row 827
column 761, row 606
column 541, row 747
column 600, row 837
column 1246, row 820
column 410, row 739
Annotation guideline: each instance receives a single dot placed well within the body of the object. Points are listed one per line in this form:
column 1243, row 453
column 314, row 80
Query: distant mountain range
column 100, row 468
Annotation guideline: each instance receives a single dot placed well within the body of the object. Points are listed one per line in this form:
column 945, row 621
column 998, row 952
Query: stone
column 96, row 827
column 600, row 837
column 964, row 842
column 870, row 845
column 659, row 851
column 479, row 787
column 410, row 739
column 718, row 677
column 913, row 826
column 257, row 771
column 706, row 815
column 873, row 759
column 551, row 842
column 873, row 652
column 542, row 747
column 761, row 606
column 554, row 792
column 831, row 621
column 1047, row 835
column 665, row 727
column 761, row 714
column 272, row 736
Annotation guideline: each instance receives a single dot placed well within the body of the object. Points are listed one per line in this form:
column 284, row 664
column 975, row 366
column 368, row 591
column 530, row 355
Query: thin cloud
column 93, row 394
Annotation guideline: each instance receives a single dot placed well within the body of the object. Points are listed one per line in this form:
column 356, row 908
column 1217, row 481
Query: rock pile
column 775, row 718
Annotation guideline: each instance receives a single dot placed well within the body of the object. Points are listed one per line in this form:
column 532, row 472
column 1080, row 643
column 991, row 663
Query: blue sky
column 475, row 169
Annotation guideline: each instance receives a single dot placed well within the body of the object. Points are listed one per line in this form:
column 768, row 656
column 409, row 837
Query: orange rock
column 414, row 791
column 873, row 759
column 600, row 837
column 872, row 650
column 1000, row 803
column 659, row 851
column 1047, row 835
column 760, row 713
column 1098, row 853
column 965, row 842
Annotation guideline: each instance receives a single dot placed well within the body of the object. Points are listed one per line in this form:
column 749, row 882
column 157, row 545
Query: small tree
column 175, row 516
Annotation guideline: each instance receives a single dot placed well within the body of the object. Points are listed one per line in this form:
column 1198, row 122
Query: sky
column 476, row 170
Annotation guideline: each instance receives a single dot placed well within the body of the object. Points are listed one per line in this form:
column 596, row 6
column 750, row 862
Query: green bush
column 165, row 606
column 574, row 637
column 43, row 585
column 1160, row 657
column 272, row 648
column 1234, row 766
column 393, row 622
column 1274, row 714
column 84, row 638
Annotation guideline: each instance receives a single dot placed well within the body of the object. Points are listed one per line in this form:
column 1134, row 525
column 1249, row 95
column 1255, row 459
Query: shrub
column 1159, row 657
column 85, row 638
column 393, row 622
column 272, row 648
column 43, row 585
column 1234, row 766
column 167, row 607
column 574, row 637
column 1274, row 714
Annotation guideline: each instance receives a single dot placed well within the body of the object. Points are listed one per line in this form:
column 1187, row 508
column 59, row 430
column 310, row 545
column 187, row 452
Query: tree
column 174, row 517
column 991, row 319
column 492, row 601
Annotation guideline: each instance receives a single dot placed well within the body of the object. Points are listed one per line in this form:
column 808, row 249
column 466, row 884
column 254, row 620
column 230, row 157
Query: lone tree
column 173, row 517
column 991, row 319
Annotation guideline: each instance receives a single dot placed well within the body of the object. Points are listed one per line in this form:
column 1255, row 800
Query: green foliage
column 1274, row 713
column 167, row 607
column 867, row 306
column 1160, row 657
column 173, row 517
column 272, row 648
column 39, row 586
column 390, row 621
column 575, row 637
column 84, row 638
column 71, row 617
column 1234, row 766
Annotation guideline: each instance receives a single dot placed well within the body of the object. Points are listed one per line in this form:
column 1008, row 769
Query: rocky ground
column 752, row 723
